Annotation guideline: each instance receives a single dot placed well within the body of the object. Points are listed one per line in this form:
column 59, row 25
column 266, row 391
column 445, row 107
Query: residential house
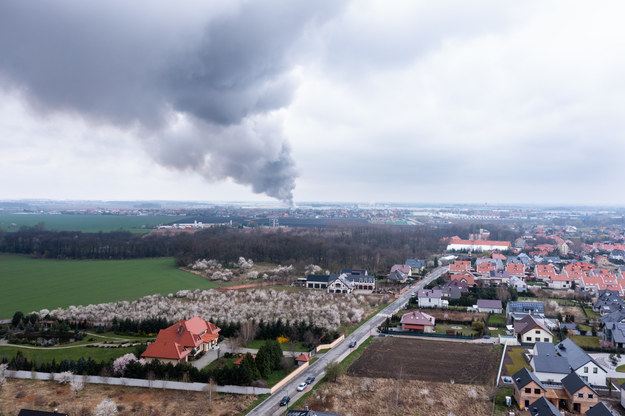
column 485, row 266
column 355, row 272
column 527, row 388
column 548, row 366
column 543, row 407
column 404, row 268
column 559, row 281
column 614, row 334
column 530, row 330
column 182, row 340
column 580, row 395
column 600, row 409
column 363, row 283
column 465, row 277
column 341, row 283
column 303, row 358
column 417, row 321
column 582, row 363
column 516, row 269
column 430, row 298
column 319, row 281
column 618, row 255
column 460, row 266
column 608, row 301
column 517, row 283
column 489, row 306
column 397, row 276
column 462, row 286
column 544, row 272
column 417, row 266
column 519, row 310
column 449, row 292
column 522, row 258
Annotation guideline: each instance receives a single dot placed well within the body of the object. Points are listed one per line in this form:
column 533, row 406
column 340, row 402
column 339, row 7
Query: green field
column 86, row 223
column 33, row 284
column 48, row 354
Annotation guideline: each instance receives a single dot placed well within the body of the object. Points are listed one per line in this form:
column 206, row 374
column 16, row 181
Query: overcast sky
column 370, row 101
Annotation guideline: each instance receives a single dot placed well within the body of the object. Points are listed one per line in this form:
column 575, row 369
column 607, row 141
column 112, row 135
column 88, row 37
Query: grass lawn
column 276, row 376
column 584, row 341
column 591, row 314
column 518, row 362
column 87, row 223
column 496, row 333
column 621, row 368
column 583, row 327
column 48, row 354
column 496, row 320
column 466, row 330
column 500, row 399
column 257, row 343
column 299, row 404
column 33, row 284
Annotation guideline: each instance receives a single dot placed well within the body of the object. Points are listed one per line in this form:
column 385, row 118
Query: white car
column 302, row 386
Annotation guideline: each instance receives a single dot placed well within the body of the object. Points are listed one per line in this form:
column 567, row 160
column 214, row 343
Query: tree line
column 374, row 247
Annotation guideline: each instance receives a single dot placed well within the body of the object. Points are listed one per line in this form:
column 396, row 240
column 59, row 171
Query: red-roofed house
column 516, row 269
column 544, row 272
column 404, row 268
column 303, row 358
column 184, row 338
column 466, row 277
column 485, row 267
column 559, row 281
column 417, row 321
column 460, row 266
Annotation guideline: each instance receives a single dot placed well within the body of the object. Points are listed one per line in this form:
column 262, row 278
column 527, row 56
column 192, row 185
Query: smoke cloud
column 200, row 84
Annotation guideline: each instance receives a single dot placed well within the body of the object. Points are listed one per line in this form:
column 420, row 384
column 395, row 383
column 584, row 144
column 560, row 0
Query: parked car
column 285, row 400
column 310, row 379
column 302, row 386
column 352, row 344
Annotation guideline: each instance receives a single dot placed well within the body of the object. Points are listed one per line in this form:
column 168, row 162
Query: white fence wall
column 135, row 382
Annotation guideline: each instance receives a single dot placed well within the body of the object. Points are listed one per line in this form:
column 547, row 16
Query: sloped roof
column 528, row 323
column 600, row 409
column 543, row 407
column 551, row 364
column 573, row 383
column 417, row 318
column 577, row 357
column 177, row 341
column 489, row 303
column 523, row 377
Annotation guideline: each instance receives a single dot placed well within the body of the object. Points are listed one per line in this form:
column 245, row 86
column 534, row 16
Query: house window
column 594, row 370
column 546, row 339
column 580, row 395
column 529, row 338
column 538, row 331
column 536, row 391
column 528, row 390
column 591, row 396
column 585, row 370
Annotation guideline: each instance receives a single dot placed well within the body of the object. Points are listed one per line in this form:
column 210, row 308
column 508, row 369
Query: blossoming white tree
column 106, row 407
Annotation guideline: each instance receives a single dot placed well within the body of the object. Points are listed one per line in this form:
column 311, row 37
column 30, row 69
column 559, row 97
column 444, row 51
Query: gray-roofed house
column 543, row 407
column 431, row 298
column 417, row 266
column 581, row 395
column 582, row 363
column 519, row 310
column 600, row 409
column 614, row 333
column 489, row 306
column 517, row 283
column 527, row 388
column 530, row 330
column 339, row 283
column 616, row 316
column 397, row 276
column 608, row 301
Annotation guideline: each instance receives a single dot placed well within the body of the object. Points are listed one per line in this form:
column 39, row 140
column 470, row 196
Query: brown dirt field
column 46, row 395
column 428, row 360
column 383, row 396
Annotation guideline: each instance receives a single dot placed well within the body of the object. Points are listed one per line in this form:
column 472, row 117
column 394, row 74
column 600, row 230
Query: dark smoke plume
column 200, row 84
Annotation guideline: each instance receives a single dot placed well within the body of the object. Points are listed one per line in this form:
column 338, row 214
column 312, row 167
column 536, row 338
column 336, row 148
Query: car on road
column 302, row 386
column 285, row 400
column 352, row 344
column 310, row 379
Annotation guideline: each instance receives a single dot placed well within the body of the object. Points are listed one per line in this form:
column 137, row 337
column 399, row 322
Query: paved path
column 604, row 359
column 271, row 405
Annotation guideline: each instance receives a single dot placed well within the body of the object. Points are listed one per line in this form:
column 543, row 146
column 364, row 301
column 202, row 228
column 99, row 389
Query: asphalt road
column 271, row 406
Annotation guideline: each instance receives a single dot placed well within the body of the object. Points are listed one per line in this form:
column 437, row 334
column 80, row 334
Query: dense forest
column 375, row 247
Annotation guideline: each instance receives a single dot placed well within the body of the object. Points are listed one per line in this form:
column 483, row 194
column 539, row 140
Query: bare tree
column 247, row 333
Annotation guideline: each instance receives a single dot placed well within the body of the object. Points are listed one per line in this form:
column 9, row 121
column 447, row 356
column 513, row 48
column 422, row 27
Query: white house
column 559, row 281
column 530, row 330
column 517, row 283
column 582, row 363
column 431, row 298
column 489, row 306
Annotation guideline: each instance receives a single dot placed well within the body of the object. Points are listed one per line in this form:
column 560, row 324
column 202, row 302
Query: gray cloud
column 135, row 67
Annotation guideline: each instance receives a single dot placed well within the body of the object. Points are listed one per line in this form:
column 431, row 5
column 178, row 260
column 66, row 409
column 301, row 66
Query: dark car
column 352, row 344
column 285, row 400
column 310, row 379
